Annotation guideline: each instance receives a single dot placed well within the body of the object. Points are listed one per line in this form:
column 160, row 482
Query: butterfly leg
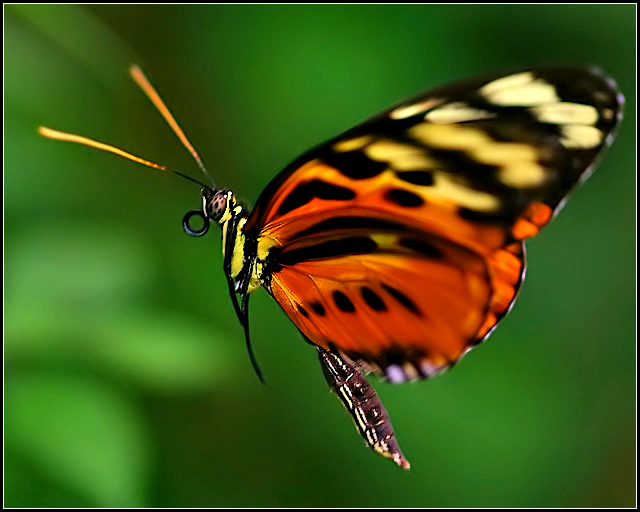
column 362, row 402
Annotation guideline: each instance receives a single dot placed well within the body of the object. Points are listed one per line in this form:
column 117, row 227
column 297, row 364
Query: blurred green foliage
column 126, row 379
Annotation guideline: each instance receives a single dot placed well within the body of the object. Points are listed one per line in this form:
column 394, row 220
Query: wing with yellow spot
column 433, row 199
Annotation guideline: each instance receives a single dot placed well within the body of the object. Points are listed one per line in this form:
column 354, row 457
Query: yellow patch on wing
column 265, row 243
column 353, row 144
column 414, row 108
column 506, row 82
column 522, row 175
column 449, row 136
column 412, row 163
column 402, row 157
column 576, row 122
column 447, row 188
column 575, row 136
column 501, row 153
column 384, row 240
column 457, row 112
column 521, row 90
column 517, row 162
column 566, row 113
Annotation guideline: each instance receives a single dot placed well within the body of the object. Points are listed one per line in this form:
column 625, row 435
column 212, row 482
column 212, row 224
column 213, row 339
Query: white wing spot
column 395, row 374
column 429, row 368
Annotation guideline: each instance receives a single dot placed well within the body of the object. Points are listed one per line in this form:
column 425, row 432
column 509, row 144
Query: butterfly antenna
column 85, row 141
column 148, row 89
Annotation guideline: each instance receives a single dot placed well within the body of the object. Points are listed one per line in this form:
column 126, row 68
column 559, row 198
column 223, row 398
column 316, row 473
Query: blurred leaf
column 27, row 487
column 58, row 281
column 82, row 434
column 85, row 298
column 80, row 34
column 166, row 353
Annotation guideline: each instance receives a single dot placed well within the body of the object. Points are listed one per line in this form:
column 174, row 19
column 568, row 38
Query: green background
column 126, row 378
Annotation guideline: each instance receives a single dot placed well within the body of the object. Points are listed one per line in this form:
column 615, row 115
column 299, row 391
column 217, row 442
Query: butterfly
column 399, row 245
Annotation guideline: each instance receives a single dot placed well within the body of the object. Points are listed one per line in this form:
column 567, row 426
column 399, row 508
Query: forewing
column 484, row 161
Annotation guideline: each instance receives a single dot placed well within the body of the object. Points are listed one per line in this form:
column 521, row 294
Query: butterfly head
column 219, row 205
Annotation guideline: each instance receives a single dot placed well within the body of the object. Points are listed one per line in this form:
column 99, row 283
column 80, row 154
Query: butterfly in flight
column 398, row 246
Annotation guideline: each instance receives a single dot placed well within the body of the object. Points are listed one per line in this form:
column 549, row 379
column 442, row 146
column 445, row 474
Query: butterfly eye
column 216, row 204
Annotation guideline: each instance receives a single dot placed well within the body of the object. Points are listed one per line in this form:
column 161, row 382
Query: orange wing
column 400, row 243
column 405, row 302
column 410, row 315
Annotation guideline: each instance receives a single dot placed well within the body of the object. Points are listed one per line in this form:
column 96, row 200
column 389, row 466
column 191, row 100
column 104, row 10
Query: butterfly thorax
column 239, row 252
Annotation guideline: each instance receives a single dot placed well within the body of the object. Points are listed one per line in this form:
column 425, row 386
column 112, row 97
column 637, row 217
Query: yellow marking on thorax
column 265, row 243
column 237, row 258
column 255, row 281
column 227, row 213
column 225, row 226
column 226, row 217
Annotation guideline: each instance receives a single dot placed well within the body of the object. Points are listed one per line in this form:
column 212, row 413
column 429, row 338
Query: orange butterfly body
column 399, row 245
